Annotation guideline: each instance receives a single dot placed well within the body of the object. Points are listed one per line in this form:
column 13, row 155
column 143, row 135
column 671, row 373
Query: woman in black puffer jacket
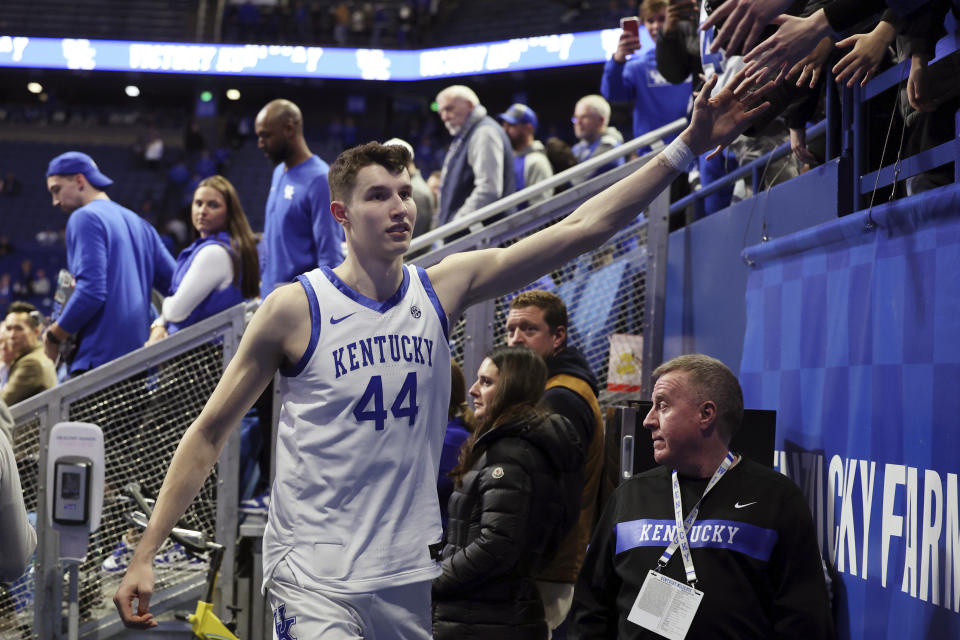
column 517, row 492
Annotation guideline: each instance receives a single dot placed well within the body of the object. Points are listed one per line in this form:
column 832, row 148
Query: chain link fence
column 605, row 294
column 143, row 406
column 16, row 599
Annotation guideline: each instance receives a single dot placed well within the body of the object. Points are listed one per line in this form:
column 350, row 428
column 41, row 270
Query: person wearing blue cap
column 530, row 162
column 114, row 255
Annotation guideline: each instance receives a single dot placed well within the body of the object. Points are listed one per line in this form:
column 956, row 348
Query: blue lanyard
column 683, row 526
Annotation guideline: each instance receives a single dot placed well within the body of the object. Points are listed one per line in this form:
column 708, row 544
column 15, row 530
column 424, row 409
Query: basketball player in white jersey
column 350, row 544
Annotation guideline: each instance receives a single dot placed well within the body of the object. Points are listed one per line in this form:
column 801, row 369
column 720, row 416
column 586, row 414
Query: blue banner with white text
column 853, row 337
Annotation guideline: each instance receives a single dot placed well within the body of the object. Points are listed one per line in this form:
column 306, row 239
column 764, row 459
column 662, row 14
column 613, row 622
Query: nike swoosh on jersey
column 340, row 319
column 741, row 506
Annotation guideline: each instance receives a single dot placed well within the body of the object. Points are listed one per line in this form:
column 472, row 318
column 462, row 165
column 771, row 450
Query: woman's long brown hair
column 246, row 264
column 522, row 376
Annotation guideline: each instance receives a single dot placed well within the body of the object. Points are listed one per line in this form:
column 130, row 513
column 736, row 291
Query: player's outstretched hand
column 137, row 584
column 717, row 120
column 743, row 23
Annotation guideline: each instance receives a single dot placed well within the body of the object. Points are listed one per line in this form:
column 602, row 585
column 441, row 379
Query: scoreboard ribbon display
column 538, row 52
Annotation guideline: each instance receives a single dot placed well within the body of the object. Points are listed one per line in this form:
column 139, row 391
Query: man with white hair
column 478, row 167
column 591, row 125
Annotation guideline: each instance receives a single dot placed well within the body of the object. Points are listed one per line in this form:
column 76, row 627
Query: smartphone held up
column 631, row 25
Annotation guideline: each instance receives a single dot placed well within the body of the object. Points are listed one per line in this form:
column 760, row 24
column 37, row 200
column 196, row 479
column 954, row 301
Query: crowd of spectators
column 655, row 71
column 340, row 23
column 679, row 50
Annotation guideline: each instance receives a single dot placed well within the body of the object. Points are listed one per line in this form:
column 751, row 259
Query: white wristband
column 678, row 155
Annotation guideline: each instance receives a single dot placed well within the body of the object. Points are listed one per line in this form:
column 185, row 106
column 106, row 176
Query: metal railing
column 848, row 138
column 755, row 169
column 576, row 174
column 867, row 181
column 617, row 288
column 143, row 402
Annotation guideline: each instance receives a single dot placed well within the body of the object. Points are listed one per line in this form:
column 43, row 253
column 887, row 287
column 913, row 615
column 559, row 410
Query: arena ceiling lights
column 519, row 54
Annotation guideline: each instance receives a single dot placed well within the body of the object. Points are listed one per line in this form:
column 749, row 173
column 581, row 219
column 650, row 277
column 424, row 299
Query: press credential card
column 665, row 606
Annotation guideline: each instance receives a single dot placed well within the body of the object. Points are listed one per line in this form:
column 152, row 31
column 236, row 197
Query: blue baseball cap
column 520, row 114
column 74, row 162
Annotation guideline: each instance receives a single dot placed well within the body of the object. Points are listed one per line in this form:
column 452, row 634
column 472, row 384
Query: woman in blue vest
column 220, row 269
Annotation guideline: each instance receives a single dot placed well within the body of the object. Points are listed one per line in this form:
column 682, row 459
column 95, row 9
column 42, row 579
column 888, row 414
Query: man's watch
column 52, row 338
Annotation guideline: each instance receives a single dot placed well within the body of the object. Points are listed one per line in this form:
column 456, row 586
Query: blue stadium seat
column 611, row 294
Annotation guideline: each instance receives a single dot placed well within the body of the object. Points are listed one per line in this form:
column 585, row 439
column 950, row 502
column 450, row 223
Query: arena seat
column 606, row 289
column 161, row 20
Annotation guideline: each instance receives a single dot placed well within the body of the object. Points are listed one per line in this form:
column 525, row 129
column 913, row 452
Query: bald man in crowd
column 299, row 233
column 478, row 167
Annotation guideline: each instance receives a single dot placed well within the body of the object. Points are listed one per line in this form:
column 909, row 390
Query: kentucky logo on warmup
column 283, row 623
column 749, row 539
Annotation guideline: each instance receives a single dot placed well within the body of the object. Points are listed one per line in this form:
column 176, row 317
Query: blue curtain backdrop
column 853, row 337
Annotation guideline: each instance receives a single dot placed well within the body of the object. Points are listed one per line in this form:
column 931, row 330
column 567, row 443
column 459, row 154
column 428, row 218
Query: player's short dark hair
column 343, row 174
column 711, row 380
column 33, row 316
column 554, row 309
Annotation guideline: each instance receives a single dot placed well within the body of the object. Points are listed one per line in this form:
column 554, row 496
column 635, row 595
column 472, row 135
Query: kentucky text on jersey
column 380, row 350
column 754, row 541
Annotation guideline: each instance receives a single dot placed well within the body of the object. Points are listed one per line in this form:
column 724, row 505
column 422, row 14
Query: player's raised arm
column 280, row 330
column 465, row 278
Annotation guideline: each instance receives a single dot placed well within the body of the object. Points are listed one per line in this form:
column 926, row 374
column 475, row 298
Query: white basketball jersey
column 354, row 502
